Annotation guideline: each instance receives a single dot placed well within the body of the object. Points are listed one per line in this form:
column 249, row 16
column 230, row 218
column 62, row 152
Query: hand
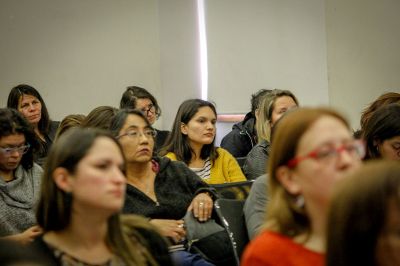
column 202, row 206
column 27, row 236
column 171, row 228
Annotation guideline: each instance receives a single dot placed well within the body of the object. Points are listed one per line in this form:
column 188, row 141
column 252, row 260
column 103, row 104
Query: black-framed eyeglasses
column 9, row 151
column 355, row 148
column 150, row 109
column 135, row 134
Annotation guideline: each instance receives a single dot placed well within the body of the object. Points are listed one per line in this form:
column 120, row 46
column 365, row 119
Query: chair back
column 230, row 213
column 234, row 190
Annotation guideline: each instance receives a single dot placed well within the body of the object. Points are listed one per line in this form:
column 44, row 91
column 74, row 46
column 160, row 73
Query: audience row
column 71, row 187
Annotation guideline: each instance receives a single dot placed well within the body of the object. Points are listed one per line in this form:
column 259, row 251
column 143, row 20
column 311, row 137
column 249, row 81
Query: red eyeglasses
column 355, row 148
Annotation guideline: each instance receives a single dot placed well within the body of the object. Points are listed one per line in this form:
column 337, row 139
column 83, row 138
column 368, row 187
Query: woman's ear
column 288, row 179
column 183, row 129
column 62, row 179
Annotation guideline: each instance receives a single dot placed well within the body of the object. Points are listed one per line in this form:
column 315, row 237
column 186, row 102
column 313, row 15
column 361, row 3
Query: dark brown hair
column 54, row 208
column 178, row 143
column 13, row 101
column 358, row 212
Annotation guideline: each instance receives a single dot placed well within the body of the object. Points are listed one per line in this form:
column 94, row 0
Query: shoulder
column 171, row 156
column 267, row 244
column 224, row 153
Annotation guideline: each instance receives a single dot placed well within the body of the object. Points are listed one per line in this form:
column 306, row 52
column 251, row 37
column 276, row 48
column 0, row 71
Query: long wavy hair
column 12, row 122
column 283, row 215
column 358, row 214
column 55, row 205
column 178, row 143
column 13, row 102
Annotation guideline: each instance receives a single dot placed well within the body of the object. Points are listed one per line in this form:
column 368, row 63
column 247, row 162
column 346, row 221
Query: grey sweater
column 18, row 199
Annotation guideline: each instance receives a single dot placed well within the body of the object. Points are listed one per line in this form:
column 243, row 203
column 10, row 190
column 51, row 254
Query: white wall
column 363, row 52
column 79, row 54
column 266, row 43
column 179, row 70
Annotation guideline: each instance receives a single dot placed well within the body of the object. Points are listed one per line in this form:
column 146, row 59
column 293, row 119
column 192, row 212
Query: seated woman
column 158, row 188
column 192, row 142
column 20, row 178
column 82, row 194
column 139, row 98
column 384, row 99
column 382, row 133
column 100, row 117
column 273, row 105
column 30, row 104
column 68, row 122
column 364, row 217
column 311, row 150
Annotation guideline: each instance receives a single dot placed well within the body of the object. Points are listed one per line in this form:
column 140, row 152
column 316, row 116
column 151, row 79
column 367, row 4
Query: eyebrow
column 14, row 146
column 136, row 127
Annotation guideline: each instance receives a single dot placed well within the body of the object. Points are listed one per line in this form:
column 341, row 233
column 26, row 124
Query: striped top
column 205, row 171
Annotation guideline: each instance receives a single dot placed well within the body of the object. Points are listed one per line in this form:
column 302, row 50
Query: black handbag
column 208, row 239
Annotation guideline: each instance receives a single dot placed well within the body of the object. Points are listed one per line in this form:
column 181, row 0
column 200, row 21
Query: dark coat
column 242, row 138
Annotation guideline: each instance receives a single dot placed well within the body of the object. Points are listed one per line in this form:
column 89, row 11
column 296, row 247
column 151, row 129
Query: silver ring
column 201, row 204
column 180, row 225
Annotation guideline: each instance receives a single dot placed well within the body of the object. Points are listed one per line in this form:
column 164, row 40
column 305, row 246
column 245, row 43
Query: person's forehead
column 143, row 102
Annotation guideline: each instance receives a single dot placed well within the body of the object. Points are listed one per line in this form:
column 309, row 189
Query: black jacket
column 242, row 138
column 175, row 187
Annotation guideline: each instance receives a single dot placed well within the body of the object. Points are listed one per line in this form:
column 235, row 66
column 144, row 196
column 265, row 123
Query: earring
column 299, row 201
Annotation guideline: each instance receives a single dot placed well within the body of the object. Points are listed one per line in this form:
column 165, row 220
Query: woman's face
column 31, row 108
column 147, row 107
column 390, row 148
column 388, row 243
column 281, row 105
column 98, row 181
column 10, row 155
column 314, row 178
column 135, row 139
column 201, row 128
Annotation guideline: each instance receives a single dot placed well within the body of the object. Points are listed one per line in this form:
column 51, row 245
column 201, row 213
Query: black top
column 40, row 155
column 175, row 186
column 161, row 137
column 242, row 138
column 155, row 244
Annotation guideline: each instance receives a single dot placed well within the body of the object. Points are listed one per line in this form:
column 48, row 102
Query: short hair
column 384, row 99
column 178, row 143
column 12, row 122
column 382, row 125
column 119, row 120
column 283, row 214
column 266, row 108
column 358, row 212
column 132, row 93
column 70, row 121
column 255, row 99
column 13, row 102
column 100, row 117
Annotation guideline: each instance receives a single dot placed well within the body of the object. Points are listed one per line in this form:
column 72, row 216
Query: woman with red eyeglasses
column 312, row 149
column 20, row 178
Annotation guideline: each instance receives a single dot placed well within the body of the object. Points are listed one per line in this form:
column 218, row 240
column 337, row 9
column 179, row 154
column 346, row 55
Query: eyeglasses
column 150, row 109
column 21, row 150
column 328, row 154
column 135, row 134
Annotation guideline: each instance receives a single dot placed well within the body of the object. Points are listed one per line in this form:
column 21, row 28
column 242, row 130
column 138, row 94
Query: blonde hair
column 265, row 110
